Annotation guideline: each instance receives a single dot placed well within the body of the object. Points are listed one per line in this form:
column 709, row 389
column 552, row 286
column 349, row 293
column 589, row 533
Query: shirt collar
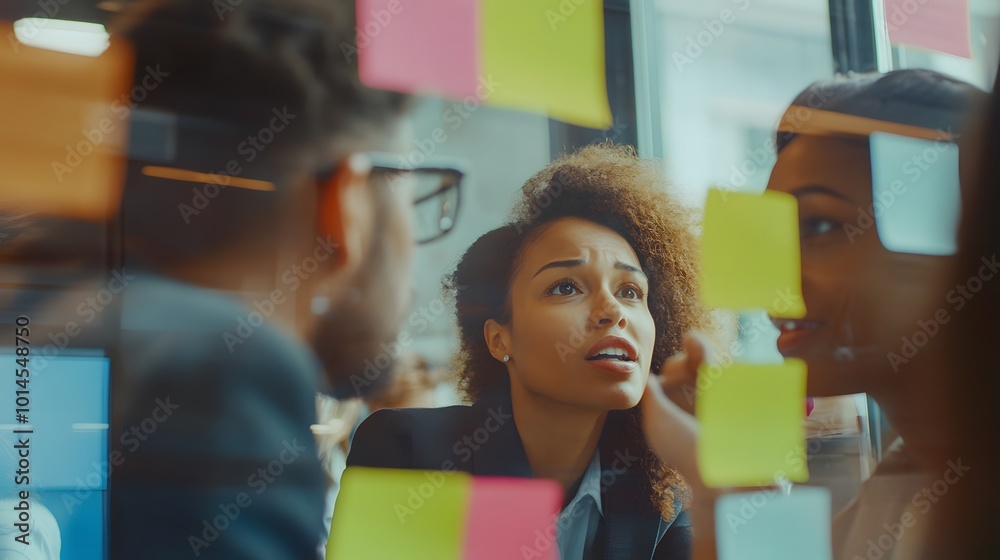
column 590, row 485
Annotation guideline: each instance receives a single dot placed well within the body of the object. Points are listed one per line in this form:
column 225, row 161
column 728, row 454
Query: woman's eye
column 629, row 292
column 563, row 289
column 814, row 227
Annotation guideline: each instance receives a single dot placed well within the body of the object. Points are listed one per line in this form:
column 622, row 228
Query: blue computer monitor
column 67, row 447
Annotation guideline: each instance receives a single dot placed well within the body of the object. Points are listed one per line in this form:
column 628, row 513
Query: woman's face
column 580, row 333
column 860, row 296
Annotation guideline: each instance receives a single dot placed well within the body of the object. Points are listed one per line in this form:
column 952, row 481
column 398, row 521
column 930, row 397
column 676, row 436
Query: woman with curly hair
column 562, row 314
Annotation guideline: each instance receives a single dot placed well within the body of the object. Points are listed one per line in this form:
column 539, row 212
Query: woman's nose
column 608, row 311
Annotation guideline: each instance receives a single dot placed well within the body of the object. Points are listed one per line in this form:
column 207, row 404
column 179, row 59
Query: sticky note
column 751, row 423
column 513, row 518
column 430, row 46
column 388, row 513
column 772, row 525
column 937, row 25
column 750, row 254
column 443, row 515
column 547, row 56
column 915, row 194
column 64, row 127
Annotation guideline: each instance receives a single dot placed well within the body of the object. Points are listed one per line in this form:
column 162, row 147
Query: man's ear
column 345, row 210
column 497, row 339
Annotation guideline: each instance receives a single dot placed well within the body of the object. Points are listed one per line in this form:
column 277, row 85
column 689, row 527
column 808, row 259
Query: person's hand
column 667, row 406
column 672, row 433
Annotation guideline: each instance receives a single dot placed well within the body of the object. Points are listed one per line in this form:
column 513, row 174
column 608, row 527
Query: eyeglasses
column 436, row 188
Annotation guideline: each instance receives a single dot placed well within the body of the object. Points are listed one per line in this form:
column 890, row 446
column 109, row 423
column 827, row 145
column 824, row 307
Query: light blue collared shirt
column 577, row 524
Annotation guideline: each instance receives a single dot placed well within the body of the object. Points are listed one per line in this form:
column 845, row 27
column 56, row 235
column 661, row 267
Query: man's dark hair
column 914, row 97
column 223, row 72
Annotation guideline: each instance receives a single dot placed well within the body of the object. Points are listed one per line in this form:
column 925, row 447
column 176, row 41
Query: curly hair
column 610, row 186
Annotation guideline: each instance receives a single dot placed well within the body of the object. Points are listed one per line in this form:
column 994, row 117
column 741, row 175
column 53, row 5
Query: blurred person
column 963, row 525
column 860, row 298
column 36, row 249
column 214, row 394
column 336, row 420
column 562, row 313
column 413, row 385
column 410, row 383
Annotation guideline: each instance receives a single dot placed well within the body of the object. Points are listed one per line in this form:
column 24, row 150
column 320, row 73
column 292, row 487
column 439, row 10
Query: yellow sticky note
column 547, row 56
column 750, row 255
column 751, row 423
column 388, row 513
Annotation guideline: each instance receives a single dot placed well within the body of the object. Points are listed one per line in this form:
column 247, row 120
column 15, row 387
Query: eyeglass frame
column 382, row 162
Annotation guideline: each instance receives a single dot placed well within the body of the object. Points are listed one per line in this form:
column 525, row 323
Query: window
column 726, row 70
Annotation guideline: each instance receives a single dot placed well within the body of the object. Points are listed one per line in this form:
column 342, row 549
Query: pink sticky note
column 512, row 518
column 427, row 47
column 937, row 25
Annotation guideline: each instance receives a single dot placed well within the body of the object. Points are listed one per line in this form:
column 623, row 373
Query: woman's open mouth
column 793, row 331
column 614, row 354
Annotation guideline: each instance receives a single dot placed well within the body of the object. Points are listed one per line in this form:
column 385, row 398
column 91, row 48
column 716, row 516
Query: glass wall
column 726, row 71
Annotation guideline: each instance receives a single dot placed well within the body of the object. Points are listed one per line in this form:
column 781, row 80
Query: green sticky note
column 751, row 423
column 750, row 255
column 547, row 56
column 388, row 513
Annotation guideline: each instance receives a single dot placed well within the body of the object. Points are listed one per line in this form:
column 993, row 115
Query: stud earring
column 506, row 358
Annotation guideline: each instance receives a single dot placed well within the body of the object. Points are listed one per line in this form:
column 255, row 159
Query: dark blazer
column 483, row 440
column 230, row 469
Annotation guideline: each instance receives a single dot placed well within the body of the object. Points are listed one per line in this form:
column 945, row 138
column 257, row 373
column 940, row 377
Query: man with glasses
column 350, row 338
column 227, row 278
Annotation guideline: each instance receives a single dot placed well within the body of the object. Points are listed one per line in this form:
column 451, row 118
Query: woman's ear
column 345, row 213
column 497, row 339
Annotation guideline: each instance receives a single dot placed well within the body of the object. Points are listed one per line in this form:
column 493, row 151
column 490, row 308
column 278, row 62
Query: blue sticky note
column 915, row 194
column 772, row 525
